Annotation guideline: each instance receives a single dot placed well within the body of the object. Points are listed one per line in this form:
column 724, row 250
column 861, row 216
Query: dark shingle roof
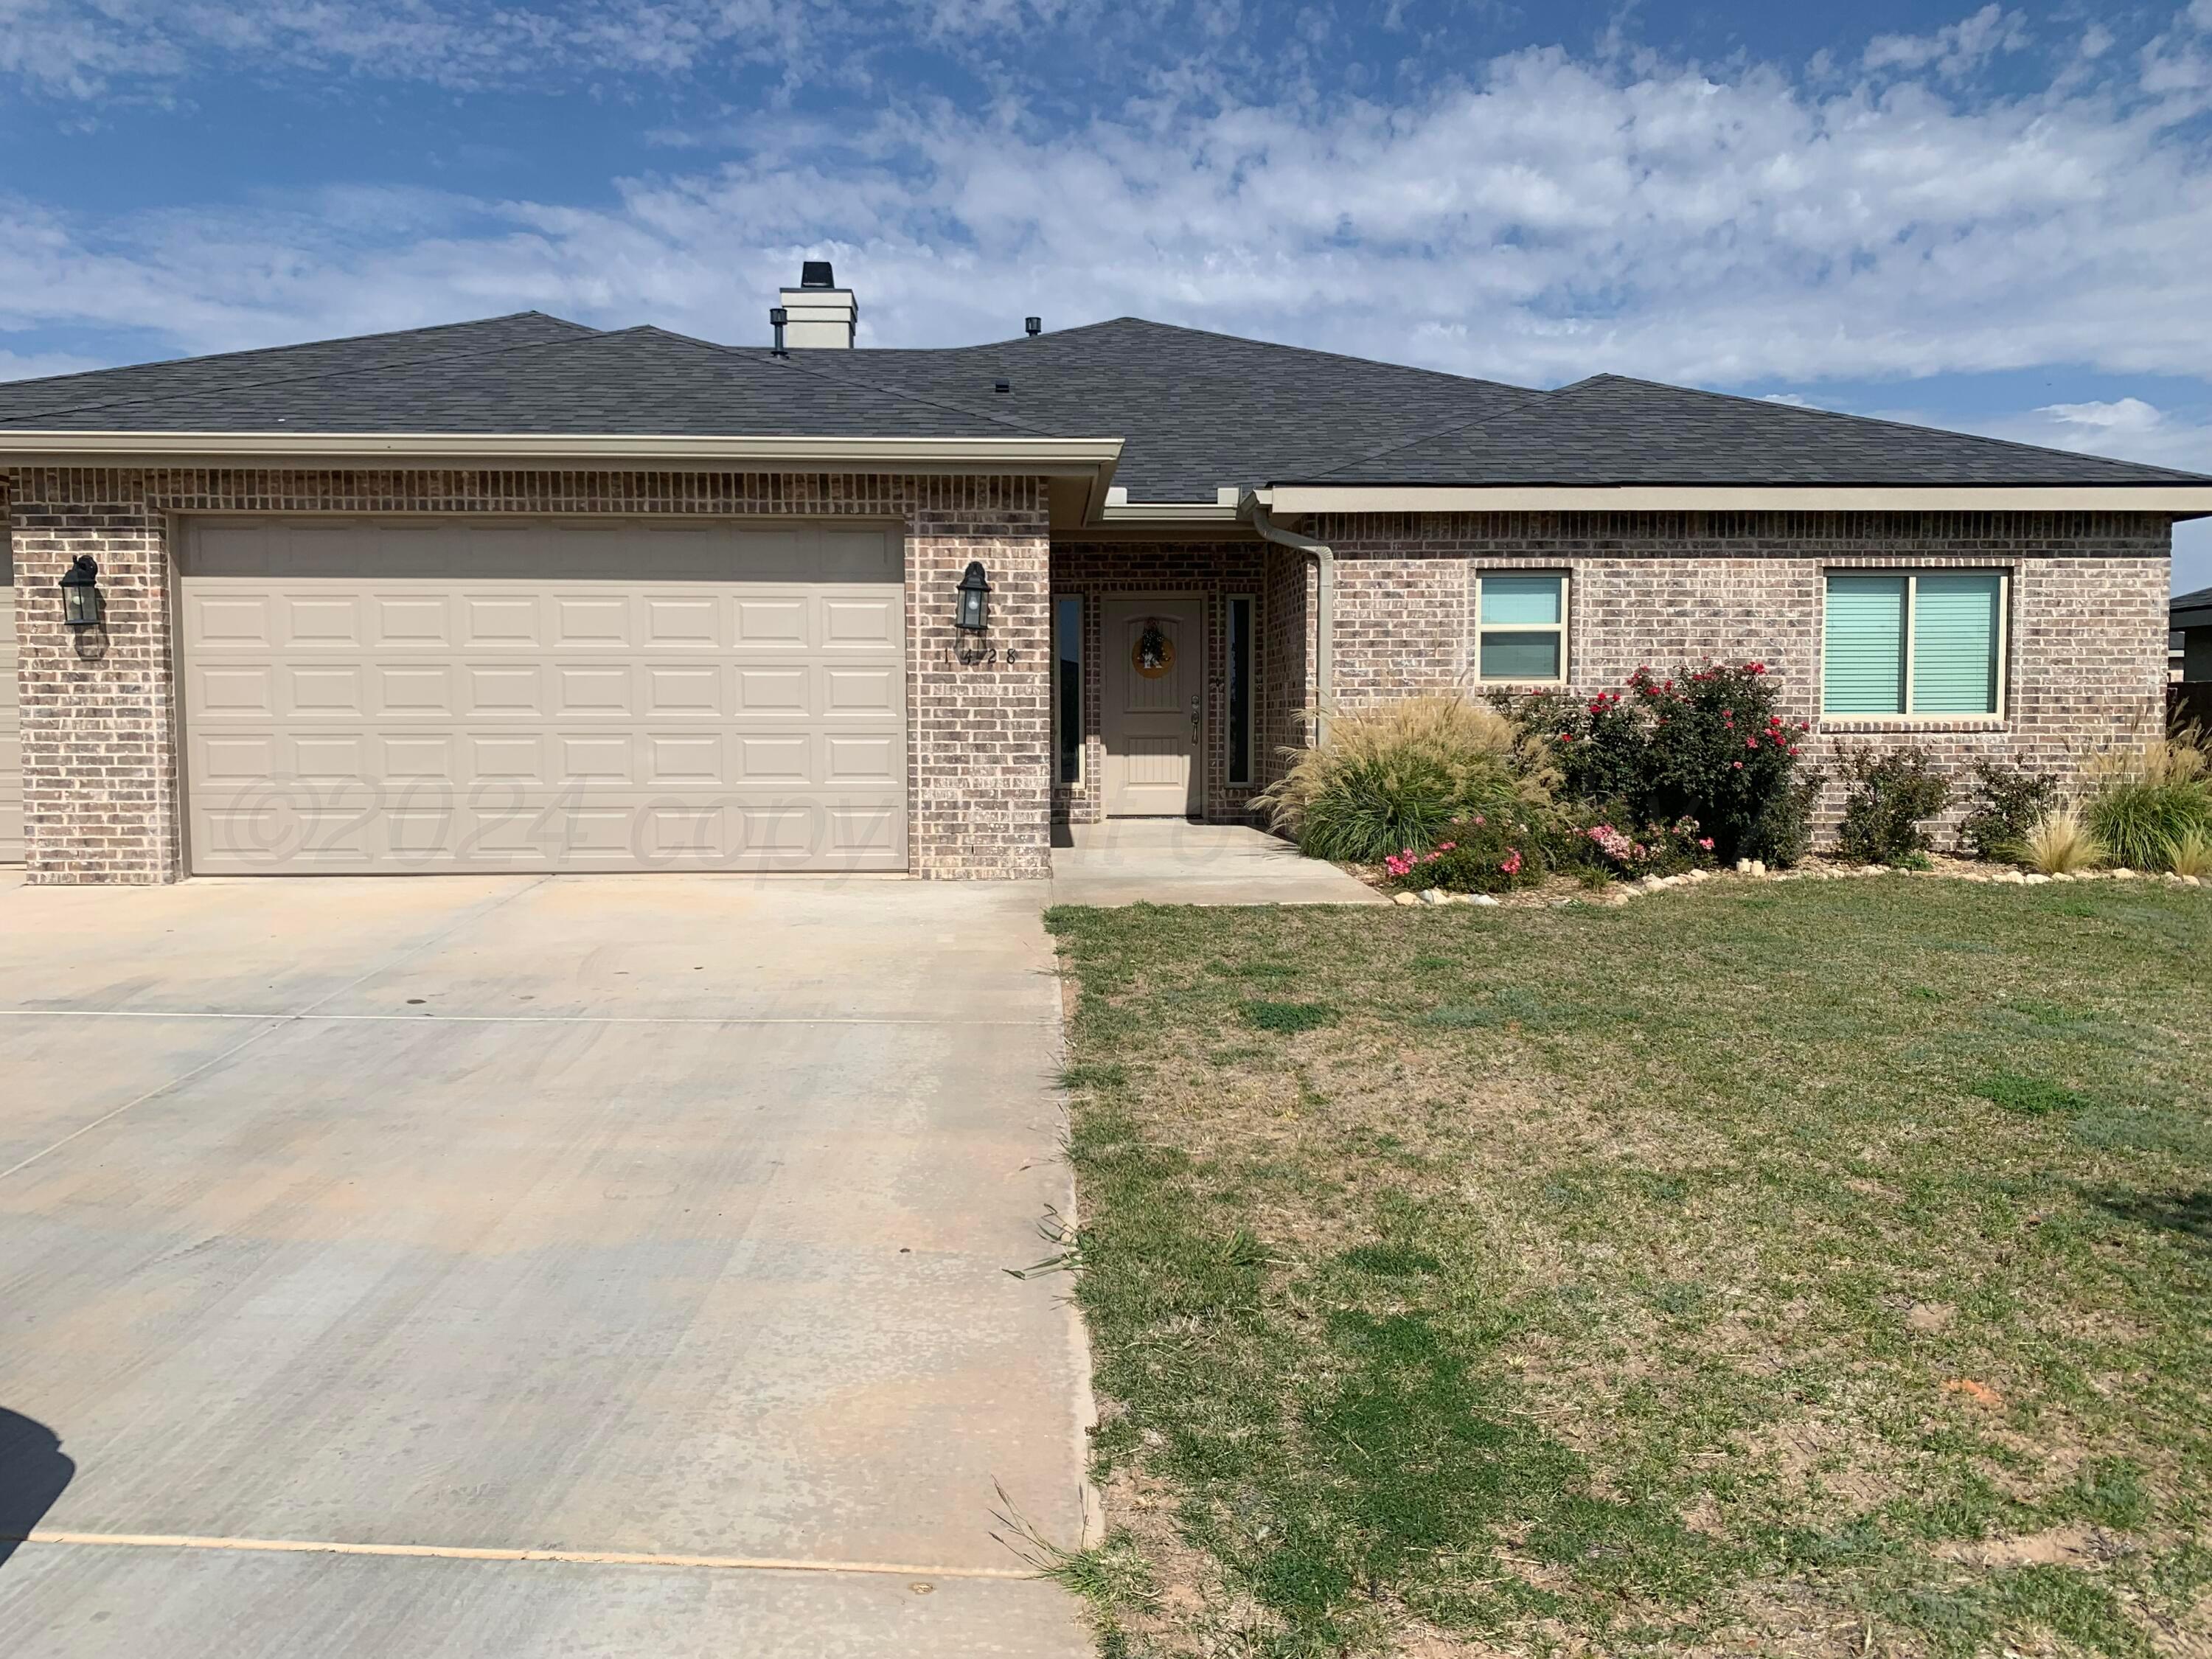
column 1196, row 410
column 2200, row 599
column 239, row 373
column 1610, row 430
column 628, row 382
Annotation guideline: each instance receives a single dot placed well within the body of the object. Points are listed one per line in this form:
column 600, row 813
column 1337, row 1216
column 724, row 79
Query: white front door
column 1154, row 670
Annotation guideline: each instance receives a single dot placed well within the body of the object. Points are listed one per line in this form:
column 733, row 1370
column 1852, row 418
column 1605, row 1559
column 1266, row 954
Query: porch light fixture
column 80, row 587
column 972, row 611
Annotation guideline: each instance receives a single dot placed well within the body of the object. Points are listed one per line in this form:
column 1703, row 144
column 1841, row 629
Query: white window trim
column 1251, row 694
column 1566, row 580
column 1912, row 575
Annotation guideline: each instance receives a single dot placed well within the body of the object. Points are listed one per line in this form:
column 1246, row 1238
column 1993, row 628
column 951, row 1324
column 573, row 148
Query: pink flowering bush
column 1482, row 852
column 1657, row 849
column 1711, row 744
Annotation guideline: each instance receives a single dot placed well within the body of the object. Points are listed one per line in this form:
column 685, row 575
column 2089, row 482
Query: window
column 1240, row 690
column 1068, row 690
column 1914, row 644
column 1522, row 635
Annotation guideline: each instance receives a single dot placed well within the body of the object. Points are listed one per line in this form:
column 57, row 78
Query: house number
column 981, row 657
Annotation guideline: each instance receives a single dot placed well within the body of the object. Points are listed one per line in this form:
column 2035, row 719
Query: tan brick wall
column 2086, row 648
column 99, row 735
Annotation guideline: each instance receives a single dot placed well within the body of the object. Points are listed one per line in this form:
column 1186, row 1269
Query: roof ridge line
column 15, row 422
column 295, row 345
column 1303, row 350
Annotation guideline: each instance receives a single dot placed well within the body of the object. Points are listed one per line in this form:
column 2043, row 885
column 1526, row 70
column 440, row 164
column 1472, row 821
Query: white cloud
column 1955, row 51
column 2126, row 415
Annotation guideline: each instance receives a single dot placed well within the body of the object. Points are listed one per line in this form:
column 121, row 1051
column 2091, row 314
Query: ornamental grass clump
column 2147, row 799
column 1398, row 775
column 2058, row 843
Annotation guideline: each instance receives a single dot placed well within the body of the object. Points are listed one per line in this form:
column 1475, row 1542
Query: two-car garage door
column 402, row 696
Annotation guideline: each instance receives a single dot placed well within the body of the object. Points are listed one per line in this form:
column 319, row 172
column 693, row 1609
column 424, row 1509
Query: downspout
column 1324, row 558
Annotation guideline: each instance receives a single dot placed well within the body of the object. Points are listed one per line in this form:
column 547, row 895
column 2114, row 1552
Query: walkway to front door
column 1153, row 674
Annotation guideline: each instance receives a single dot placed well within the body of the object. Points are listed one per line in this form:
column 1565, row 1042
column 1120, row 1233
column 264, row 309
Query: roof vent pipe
column 777, row 317
column 1032, row 326
column 1324, row 558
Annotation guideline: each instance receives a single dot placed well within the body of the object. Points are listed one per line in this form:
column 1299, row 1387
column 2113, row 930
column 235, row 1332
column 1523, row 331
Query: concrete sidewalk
column 1172, row 861
column 446, row 1220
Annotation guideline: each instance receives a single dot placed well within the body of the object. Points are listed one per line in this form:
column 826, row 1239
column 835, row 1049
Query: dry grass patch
column 1590, row 1280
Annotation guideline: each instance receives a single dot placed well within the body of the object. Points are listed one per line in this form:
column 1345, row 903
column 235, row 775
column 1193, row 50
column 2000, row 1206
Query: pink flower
column 1793, row 748
column 1447, row 845
column 1737, row 764
column 1751, row 742
column 1511, row 866
column 1705, row 841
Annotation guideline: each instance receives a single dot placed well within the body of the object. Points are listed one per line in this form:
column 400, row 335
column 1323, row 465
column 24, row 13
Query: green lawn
column 1811, row 1268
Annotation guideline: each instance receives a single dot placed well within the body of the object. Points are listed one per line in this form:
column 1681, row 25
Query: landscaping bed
column 1815, row 1268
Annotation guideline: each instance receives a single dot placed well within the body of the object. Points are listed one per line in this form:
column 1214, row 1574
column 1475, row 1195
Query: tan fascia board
column 2166, row 501
column 1169, row 512
column 1086, row 457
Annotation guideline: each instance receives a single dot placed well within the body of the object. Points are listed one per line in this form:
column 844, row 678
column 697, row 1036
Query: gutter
column 1085, row 457
column 1250, row 506
column 2180, row 499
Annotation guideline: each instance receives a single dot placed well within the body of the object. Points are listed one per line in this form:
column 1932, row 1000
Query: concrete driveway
column 442, row 1220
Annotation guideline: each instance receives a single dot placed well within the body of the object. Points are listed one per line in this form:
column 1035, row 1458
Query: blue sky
column 1997, row 218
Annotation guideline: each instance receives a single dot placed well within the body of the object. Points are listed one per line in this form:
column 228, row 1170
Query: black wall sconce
column 80, row 585
column 971, row 611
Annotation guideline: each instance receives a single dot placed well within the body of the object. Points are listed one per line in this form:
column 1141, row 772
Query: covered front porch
column 1182, row 671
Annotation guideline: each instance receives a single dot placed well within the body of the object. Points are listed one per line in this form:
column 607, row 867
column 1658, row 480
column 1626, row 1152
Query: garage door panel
column 857, row 758
column 684, row 622
column 860, row 625
column 771, row 623
column 491, row 620
column 600, row 698
column 491, row 690
column 423, row 620
column 696, row 690
column 411, row 690
column 853, row 690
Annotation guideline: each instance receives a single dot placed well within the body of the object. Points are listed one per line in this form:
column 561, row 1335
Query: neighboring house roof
column 1196, row 412
column 2192, row 610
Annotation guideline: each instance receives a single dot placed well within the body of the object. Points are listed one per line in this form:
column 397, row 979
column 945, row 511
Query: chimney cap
column 816, row 273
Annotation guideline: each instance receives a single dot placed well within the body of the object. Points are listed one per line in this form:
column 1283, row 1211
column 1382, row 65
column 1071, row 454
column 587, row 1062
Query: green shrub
column 2007, row 800
column 1891, row 792
column 1710, row 744
column 1396, row 776
column 1483, row 853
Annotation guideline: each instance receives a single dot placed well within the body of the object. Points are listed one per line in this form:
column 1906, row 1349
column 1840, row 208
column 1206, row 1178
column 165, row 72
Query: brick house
column 521, row 594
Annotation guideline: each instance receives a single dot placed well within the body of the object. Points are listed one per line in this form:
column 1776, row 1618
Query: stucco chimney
column 819, row 312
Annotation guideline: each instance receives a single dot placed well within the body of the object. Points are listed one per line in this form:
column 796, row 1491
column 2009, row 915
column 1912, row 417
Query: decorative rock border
column 1753, row 869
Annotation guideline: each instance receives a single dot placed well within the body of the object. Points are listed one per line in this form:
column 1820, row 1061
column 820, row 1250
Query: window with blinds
column 1913, row 644
column 1520, row 630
